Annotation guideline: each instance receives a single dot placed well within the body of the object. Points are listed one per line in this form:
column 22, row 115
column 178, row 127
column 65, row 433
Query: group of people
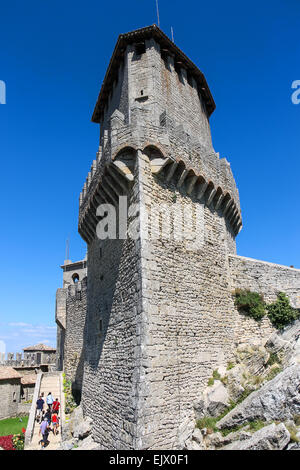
column 47, row 417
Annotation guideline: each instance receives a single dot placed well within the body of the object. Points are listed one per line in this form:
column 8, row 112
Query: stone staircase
column 50, row 383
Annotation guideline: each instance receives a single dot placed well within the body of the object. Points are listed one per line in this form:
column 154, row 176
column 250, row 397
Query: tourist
column 55, row 423
column 44, row 430
column 50, row 401
column 47, row 416
column 56, row 405
column 39, row 409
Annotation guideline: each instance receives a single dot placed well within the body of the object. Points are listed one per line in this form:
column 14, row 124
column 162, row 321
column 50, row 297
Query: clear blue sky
column 53, row 58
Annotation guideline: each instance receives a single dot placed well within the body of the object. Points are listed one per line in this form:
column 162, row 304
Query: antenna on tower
column 67, row 249
column 172, row 34
column 157, row 11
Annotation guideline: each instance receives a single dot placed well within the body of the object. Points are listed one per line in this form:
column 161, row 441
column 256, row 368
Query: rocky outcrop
column 197, row 441
column 87, row 444
column 272, row 437
column 277, row 400
column 77, row 433
column 286, row 345
column 214, row 401
column 253, row 356
column 254, row 402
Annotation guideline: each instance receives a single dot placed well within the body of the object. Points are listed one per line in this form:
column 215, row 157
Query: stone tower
column 70, row 317
column 160, row 314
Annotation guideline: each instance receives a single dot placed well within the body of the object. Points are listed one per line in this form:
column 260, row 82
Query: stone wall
column 28, row 391
column 188, row 309
column 60, row 307
column 68, row 303
column 74, row 333
column 24, row 408
column 166, row 316
column 113, row 340
column 268, row 279
column 9, row 397
column 118, row 98
column 175, row 93
column 265, row 278
column 60, row 345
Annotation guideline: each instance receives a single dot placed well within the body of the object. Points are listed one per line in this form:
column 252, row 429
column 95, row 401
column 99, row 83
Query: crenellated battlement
column 28, row 359
column 206, row 175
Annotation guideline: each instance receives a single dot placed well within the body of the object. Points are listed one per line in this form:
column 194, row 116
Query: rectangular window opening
column 140, row 48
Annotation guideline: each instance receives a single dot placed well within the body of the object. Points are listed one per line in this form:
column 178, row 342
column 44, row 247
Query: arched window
column 75, row 278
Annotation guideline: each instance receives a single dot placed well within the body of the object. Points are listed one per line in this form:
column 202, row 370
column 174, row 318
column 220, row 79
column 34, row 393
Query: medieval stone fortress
column 18, row 374
column 143, row 322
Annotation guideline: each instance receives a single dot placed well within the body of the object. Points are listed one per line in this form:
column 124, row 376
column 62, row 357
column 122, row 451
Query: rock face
column 77, row 433
column 87, row 444
column 293, row 446
column 278, row 400
column 76, row 418
column 253, row 355
column 258, row 398
column 270, row 437
column 197, row 441
column 185, row 431
column 217, row 399
column 236, row 382
column 84, row 429
column 286, row 344
column 214, row 401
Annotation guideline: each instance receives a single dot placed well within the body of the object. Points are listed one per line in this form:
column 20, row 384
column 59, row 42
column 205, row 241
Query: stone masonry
column 159, row 314
column 10, row 387
column 70, row 319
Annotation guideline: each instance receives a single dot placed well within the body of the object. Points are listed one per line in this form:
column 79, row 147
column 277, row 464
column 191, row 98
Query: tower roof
column 140, row 35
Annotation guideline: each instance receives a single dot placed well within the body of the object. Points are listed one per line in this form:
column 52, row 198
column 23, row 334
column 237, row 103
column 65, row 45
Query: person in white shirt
column 49, row 401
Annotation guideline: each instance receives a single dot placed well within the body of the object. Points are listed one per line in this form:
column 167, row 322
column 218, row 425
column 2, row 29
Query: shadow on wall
column 106, row 267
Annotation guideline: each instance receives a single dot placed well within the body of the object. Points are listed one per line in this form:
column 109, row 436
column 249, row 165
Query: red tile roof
column 39, row 347
column 28, row 379
column 8, row 373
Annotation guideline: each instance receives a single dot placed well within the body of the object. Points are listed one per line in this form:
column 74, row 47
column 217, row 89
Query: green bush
column 209, row 423
column 216, row 375
column 273, row 359
column 281, row 313
column 70, row 403
column 257, row 425
column 251, row 303
column 273, row 372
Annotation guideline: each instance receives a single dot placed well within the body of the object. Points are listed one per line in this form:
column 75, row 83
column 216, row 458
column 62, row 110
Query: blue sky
column 53, row 58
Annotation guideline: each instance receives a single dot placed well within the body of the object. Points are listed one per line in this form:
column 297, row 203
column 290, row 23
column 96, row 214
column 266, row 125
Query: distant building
column 40, row 354
column 70, row 319
column 10, row 388
column 18, row 376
